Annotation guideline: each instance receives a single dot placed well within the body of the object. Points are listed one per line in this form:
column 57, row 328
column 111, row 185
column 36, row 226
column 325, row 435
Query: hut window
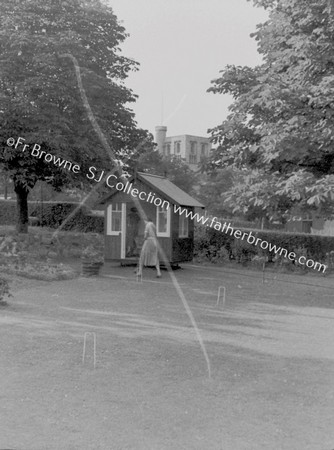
column 163, row 222
column 115, row 218
column 183, row 227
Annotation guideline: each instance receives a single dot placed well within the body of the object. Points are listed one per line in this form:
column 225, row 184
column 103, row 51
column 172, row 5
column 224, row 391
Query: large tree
column 53, row 55
column 212, row 191
column 280, row 129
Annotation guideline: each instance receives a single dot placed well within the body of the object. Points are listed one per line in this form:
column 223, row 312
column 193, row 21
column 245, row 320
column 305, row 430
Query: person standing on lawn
column 149, row 253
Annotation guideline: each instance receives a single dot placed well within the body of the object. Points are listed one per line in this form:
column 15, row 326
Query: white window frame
column 183, row 230
column 167, row 232
column 111, row 232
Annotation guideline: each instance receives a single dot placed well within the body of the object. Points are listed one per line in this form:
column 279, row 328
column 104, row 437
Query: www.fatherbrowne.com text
column 251, row 239
column 214, row 223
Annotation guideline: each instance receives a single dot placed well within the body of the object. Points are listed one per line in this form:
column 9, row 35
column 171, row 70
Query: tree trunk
column 22, row 209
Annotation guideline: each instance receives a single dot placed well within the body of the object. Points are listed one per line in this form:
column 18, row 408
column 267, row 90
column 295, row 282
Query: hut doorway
column 124, row 231
column 132, row 232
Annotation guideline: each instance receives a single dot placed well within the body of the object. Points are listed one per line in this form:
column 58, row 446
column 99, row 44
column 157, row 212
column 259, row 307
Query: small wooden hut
column 160, row 200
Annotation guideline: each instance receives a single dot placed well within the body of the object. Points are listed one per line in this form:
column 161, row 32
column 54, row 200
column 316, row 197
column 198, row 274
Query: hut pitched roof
column 165, row 188
column 169, row 190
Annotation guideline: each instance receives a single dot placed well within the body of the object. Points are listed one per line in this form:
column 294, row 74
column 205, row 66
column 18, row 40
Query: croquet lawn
column 257, row 374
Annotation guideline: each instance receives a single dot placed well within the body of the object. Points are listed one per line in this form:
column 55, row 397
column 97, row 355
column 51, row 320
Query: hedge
column 7, row 212
column 52, row 215
column 217, row 246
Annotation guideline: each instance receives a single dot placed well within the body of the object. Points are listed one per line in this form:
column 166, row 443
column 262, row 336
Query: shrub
column 7, row 212
column 52, row 215
column 84, row 223
column 92, row 254
column 214, row 246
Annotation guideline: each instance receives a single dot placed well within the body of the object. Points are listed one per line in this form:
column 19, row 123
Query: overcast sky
column 181, row 46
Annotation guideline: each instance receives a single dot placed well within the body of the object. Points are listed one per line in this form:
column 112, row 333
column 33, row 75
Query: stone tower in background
column 160, row 137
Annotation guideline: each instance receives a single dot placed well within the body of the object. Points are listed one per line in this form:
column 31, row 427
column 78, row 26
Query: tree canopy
column 280, row 128
column 40, row 96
